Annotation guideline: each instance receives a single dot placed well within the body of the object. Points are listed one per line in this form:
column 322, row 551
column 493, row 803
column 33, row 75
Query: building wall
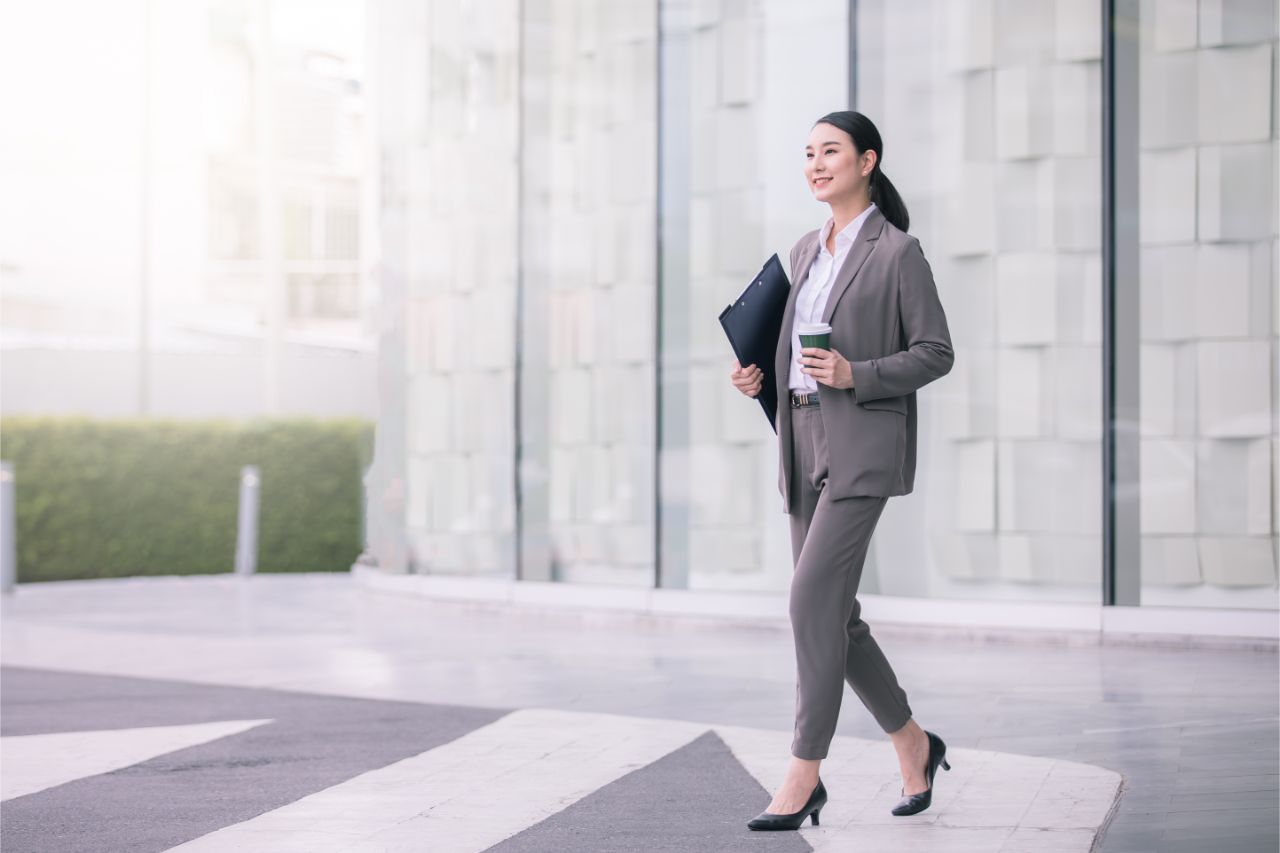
column 448, row 145
column 1207, row 229
column 578, row 188
column 990, row 112
column 588, row 158
column 742, row 85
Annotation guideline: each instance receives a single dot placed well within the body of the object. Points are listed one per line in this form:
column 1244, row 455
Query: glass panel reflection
column 1207, row 226
column 588, row 161
column 741, row 86
column 990, row 117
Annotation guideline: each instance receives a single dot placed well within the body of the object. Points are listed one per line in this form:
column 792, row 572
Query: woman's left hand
column 826, row 366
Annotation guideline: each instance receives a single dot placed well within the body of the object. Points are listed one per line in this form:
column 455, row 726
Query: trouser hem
column 808, row 753
column 892, row 726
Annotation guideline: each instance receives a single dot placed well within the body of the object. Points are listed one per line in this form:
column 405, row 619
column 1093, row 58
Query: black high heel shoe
column 919, row 802
column 769, row 820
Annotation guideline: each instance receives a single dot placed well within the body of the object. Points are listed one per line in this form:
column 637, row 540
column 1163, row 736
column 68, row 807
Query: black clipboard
column 753, row 323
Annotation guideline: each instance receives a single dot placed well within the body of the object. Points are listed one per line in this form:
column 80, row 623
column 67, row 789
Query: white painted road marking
column 500, row 779
column 496, row 781
column 465, row 795
column 33, row 763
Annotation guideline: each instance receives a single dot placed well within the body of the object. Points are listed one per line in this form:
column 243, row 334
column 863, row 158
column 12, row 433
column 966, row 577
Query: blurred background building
column 570, row 192
column 138, row 272
column 507, row 230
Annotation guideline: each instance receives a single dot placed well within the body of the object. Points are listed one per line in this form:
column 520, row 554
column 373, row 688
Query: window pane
column 441, row 497
column 990, row 117
column 588, row 160
column 741, row 86
column 1208, row 262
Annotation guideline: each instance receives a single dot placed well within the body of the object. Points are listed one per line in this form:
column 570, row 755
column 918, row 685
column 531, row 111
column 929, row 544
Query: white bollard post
column 247, row 525
column 8, row 531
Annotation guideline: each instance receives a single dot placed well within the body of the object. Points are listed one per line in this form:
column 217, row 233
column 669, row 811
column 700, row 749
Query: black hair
column 866, row 137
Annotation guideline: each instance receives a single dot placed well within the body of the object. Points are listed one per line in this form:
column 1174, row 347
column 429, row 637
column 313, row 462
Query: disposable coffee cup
column 815, row 335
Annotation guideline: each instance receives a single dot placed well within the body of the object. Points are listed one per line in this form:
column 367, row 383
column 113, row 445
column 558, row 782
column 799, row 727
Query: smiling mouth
column 818, row 182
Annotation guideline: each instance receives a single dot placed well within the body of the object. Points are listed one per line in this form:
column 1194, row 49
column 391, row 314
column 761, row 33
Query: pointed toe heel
column 769, row 821
column 913, row 804
column 916, row 803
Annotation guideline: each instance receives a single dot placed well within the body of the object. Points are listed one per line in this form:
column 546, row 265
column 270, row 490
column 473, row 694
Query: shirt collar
column 847, row 234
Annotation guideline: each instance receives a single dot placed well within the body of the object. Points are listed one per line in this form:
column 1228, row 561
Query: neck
column 845, row 210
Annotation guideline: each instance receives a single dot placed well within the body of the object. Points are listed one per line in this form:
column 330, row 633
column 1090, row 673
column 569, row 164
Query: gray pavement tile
column 1243, row 763
column 1138, row 821
column 1225, row 771
column 1253, row 844
column 1226, row 784
column 1225, row 819
column 1145, row 802
column 1133, row 840
column 1217, row 802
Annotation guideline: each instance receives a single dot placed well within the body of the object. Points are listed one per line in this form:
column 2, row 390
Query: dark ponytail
column 865, row 137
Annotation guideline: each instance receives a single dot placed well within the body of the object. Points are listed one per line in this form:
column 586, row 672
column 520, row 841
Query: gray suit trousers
column 829, row 540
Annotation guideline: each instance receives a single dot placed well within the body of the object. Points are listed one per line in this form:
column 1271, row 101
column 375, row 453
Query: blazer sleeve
column 928, row 355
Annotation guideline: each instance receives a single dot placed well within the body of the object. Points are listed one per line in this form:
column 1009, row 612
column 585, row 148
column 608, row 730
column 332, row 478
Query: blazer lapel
column 858, row 254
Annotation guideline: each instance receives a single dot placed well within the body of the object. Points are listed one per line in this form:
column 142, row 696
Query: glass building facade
column 570, row 192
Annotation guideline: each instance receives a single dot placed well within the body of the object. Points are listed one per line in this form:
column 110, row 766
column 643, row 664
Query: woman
column 846, row 437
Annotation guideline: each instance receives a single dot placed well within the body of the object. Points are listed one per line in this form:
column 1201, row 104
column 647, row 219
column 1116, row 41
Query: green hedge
column 148, row 497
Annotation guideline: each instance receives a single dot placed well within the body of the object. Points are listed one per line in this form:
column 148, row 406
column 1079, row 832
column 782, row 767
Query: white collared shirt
column 811, row 300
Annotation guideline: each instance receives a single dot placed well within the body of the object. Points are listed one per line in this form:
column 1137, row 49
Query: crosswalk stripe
column 465, row 795
column 35, row 762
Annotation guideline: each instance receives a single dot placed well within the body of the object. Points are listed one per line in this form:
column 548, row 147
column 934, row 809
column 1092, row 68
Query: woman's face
column 832, row 165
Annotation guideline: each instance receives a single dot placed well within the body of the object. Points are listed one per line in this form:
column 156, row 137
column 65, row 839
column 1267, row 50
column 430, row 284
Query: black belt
column 799, row 400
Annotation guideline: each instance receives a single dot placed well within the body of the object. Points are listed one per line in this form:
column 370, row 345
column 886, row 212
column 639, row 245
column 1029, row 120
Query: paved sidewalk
column 304, row 712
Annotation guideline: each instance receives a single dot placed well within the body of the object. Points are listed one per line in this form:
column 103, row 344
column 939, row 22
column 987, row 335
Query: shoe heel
column 814, row 818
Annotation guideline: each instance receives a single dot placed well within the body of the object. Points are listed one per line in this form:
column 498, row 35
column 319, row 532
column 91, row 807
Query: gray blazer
column 886, row 319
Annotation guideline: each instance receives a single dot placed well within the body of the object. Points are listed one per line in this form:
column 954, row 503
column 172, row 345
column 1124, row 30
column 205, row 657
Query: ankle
column 803, row 771
column 801, row 783
column 909, row 738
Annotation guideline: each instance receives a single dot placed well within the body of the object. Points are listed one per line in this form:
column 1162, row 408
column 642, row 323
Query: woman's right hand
column 749, row 380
